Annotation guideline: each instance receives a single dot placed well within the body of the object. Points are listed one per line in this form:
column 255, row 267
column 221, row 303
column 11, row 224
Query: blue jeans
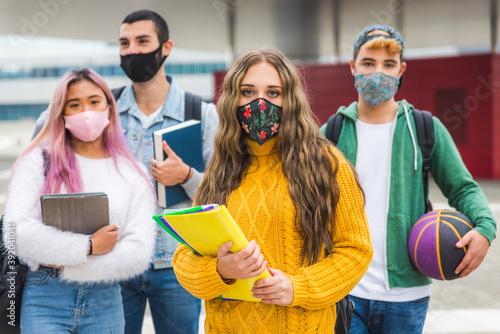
column 372, row 316
column 50, row 305
column 174, row 310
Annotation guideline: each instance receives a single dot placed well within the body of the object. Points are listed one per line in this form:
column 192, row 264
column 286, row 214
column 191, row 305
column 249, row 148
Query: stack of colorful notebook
column 203, row 229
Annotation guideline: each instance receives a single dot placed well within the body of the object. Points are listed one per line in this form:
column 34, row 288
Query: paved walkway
column 441, row 322
column 463, row 306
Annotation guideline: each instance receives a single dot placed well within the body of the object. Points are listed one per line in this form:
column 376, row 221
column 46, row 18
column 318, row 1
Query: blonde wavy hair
column 308, row 160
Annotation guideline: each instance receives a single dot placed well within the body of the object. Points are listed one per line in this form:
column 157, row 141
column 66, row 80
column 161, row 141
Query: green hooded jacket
column 406, row 198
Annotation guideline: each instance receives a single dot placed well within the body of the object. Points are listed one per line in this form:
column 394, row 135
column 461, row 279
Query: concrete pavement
column 463, row 306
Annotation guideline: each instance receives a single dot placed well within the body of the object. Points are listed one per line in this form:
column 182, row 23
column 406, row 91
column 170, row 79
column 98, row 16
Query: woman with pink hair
column 72, row 282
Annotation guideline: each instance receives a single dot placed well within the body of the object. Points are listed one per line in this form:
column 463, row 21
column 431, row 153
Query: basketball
column 432, row 240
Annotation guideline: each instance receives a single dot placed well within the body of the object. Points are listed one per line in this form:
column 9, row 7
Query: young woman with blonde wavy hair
column 294, row 196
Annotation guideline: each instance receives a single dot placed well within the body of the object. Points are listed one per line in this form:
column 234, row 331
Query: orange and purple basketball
column 432, row 243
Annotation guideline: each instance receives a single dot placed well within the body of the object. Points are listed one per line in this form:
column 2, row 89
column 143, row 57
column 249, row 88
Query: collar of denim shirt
column 126, row 101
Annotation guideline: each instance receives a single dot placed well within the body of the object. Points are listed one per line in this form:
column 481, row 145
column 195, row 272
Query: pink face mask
column 88, row 125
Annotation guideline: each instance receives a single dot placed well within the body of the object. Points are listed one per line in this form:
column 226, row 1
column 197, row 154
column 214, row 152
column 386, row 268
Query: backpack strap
column 192, row 106
column 117, row 92
column 425, row 135
column 333, row 127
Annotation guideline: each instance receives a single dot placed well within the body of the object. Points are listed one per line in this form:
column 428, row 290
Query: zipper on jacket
column 386, row 282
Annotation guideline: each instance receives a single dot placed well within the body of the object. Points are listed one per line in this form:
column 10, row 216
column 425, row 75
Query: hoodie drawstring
column 412, row 137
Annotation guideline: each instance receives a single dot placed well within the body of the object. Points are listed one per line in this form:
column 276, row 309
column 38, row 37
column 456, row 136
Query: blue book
column 185, row 140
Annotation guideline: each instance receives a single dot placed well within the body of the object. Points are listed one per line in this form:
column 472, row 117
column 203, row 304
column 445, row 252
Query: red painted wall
column 495, row 117
column 463, row 92
column 457, row 91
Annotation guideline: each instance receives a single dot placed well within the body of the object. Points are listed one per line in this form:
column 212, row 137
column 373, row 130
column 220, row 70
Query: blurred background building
column 450, row 46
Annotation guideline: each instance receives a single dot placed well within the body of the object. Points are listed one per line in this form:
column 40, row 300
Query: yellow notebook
column 204, row 232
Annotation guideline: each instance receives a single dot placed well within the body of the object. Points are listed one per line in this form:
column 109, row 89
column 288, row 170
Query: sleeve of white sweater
column 38, row 244
column 134, row 250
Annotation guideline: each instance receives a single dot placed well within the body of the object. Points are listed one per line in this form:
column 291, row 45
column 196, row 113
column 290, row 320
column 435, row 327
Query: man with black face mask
column 153, row 101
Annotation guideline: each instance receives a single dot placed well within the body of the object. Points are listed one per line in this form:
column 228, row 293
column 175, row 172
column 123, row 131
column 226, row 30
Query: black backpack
column 12, row 278
column 192, row 103
column 425, row 136
column 345, row 310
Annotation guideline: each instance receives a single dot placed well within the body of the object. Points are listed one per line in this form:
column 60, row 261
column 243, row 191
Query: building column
column 493, row 25
column 296, row 28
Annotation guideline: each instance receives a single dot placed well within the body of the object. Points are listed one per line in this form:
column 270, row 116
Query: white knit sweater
column 131, row 206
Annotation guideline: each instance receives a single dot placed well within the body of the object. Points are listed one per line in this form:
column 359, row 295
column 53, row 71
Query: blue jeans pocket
column 421, row 300
column 37, row 277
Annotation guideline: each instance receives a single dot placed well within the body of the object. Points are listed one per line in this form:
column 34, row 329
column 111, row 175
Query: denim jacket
column 172, row 113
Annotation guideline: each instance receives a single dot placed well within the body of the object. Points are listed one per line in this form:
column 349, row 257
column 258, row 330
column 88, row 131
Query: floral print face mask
column 376, row 87
column 260, row 119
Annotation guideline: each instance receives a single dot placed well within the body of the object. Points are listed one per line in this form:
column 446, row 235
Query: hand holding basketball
column 478, row 246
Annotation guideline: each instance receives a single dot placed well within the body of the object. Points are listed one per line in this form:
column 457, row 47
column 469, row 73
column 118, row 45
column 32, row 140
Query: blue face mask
column 376, row 87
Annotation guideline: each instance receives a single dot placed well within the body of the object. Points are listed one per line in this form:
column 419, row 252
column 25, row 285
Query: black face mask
column 141, row 67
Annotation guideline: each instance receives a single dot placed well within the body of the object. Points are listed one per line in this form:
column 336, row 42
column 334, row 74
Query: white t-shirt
column 373, row 164
column 146, row 121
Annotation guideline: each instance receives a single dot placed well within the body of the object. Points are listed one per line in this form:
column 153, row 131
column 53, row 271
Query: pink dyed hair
column 62, row 167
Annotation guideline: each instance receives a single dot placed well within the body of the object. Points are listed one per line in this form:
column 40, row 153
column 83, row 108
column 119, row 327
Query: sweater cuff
column 300, row 295
column 486, row 232
column 192, row 184
column 218, row 284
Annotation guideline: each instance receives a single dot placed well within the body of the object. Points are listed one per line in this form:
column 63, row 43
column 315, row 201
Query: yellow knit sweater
column 263, row 209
